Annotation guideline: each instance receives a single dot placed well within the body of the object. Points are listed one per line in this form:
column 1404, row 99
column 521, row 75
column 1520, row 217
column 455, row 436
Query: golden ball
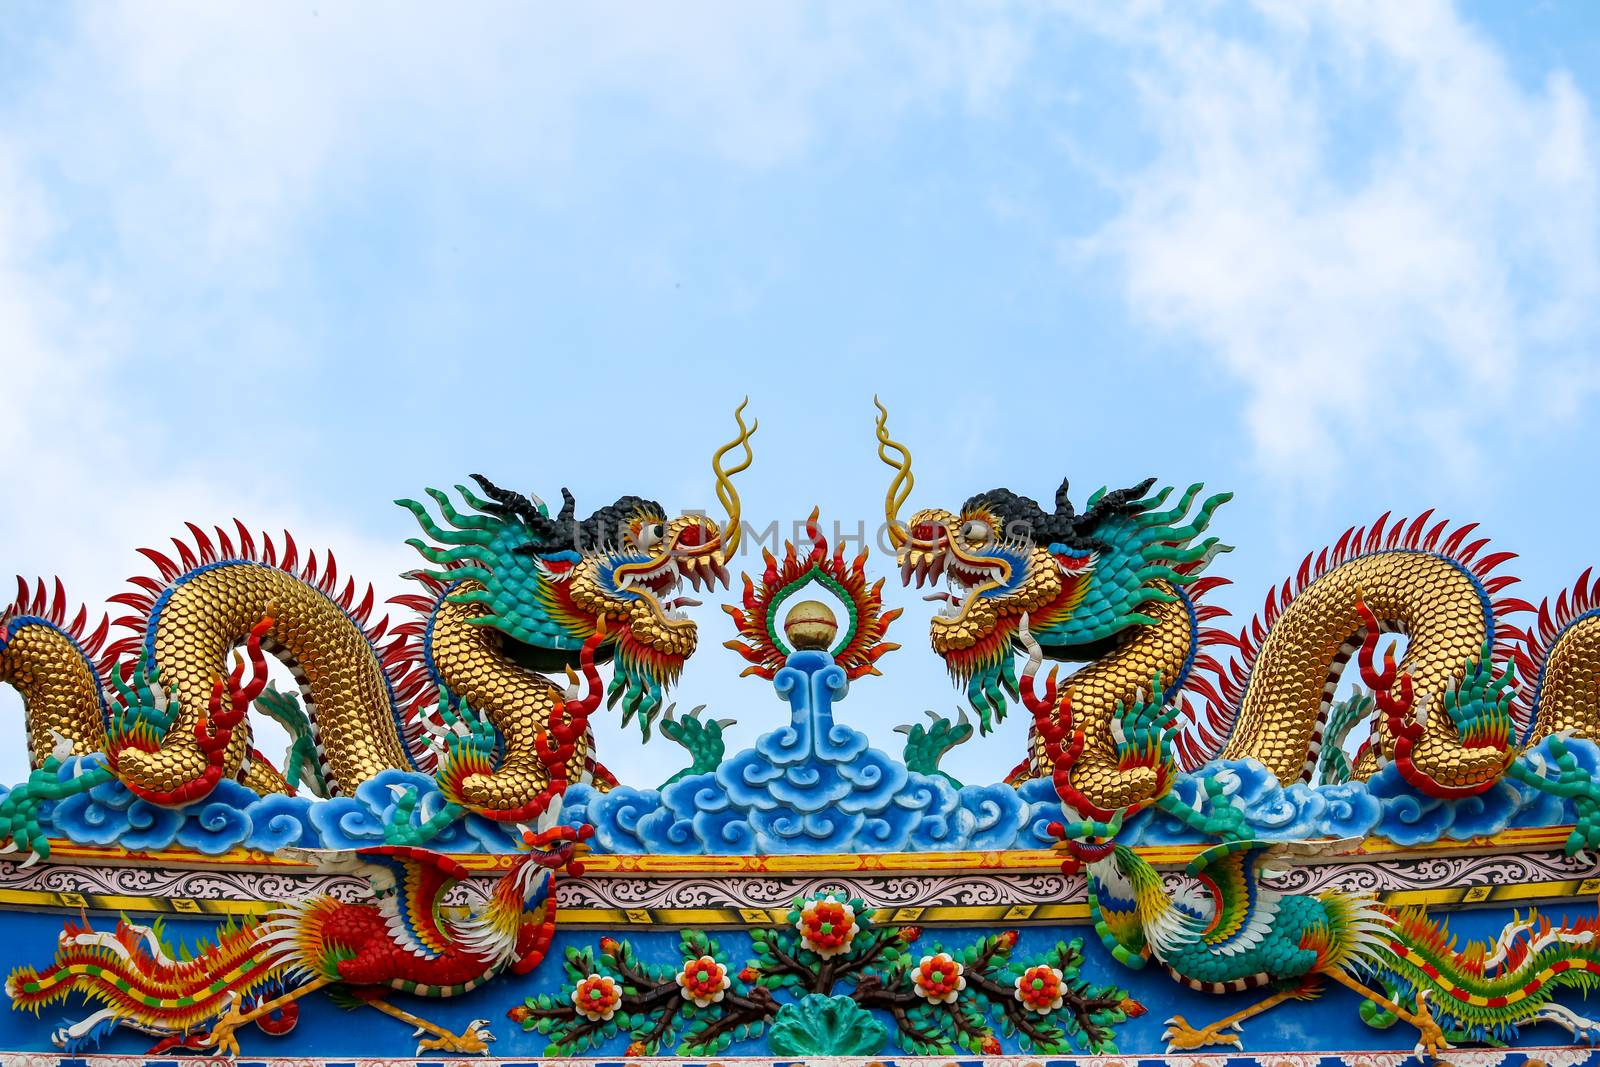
column 810, row 625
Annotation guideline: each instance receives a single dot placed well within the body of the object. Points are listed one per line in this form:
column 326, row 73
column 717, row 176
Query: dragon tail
column 57, row 665
column 1415, row 576
column 133, row 974
column 210, row 590
column 1553, row 653
column 1488, row 991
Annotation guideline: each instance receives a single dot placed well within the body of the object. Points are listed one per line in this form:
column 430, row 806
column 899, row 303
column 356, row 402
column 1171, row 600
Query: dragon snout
column 695, row 545
column 926, row 549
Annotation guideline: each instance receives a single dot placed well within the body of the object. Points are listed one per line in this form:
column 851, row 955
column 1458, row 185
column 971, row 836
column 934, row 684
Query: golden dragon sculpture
column 1120, row 588
column 511, row 593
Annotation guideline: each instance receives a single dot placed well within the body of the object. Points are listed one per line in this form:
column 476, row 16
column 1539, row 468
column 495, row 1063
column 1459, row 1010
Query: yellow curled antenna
column 725, row 490
column 900, row 487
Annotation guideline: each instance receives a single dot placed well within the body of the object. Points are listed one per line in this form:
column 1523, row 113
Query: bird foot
column 1430, row 1037
column 221, row 1037
column 474, row 1040
column 1180, row 1035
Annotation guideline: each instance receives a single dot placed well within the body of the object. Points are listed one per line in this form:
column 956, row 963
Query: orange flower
column 827, row 926
column 909, row 934
column 938, row 978
column 991, row 1047
column 704, row 981
column 597, row 998
column 1039, row 989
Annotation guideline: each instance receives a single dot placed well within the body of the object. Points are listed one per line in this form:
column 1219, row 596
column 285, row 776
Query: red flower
column 991, row 1047
column 609, row 946
column 938, row 978
column 520, row 1014
column 704, row 981
column 1039, row 989
column 1008, row 939
column 596, row 998
column 749, row 974
column 909, row 934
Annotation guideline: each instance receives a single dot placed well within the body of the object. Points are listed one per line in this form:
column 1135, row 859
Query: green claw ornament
column 702, row 738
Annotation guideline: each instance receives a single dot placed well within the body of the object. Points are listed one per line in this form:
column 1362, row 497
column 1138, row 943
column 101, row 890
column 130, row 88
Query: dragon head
column 545, row 583
column 1079, row 580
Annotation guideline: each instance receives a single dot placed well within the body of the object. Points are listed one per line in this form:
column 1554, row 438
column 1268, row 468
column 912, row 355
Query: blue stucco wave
column 814, row 785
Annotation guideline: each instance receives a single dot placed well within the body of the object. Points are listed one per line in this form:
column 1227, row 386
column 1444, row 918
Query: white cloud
column 1366, row 220
column 162, row 161
column 82, row 485
column 208, row 128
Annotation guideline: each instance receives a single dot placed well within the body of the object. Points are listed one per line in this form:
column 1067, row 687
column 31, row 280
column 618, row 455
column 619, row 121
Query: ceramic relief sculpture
column 1275, row 842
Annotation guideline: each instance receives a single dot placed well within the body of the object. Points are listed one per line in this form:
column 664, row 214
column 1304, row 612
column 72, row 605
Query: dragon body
column 398, row 940
column 510, row 593
column 1225, row 931
column 1121, row 585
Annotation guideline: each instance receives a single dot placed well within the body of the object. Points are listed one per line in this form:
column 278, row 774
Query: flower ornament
column 1039, row 989
column 938, row 978
column 827, row 926
column 704, row 981
column 596, row 998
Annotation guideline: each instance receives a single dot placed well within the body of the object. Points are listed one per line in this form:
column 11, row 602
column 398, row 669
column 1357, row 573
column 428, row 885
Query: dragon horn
column 900, row 487
column 1064, row 501
column 512, row 506
column 725, row 490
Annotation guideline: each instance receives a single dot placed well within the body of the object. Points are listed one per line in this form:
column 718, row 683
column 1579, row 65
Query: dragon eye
column 649, row 535
column 975, row 530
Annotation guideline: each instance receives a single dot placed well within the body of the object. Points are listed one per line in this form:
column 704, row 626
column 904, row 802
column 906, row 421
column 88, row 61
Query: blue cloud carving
column 814, row 785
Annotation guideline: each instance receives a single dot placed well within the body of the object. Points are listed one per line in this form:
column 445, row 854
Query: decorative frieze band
column 737, row 898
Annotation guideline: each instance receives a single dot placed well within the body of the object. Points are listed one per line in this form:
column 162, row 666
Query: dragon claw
column 61, row 747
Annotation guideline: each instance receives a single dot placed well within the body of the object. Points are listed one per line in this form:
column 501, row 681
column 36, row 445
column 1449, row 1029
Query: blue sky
column 291, row 262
